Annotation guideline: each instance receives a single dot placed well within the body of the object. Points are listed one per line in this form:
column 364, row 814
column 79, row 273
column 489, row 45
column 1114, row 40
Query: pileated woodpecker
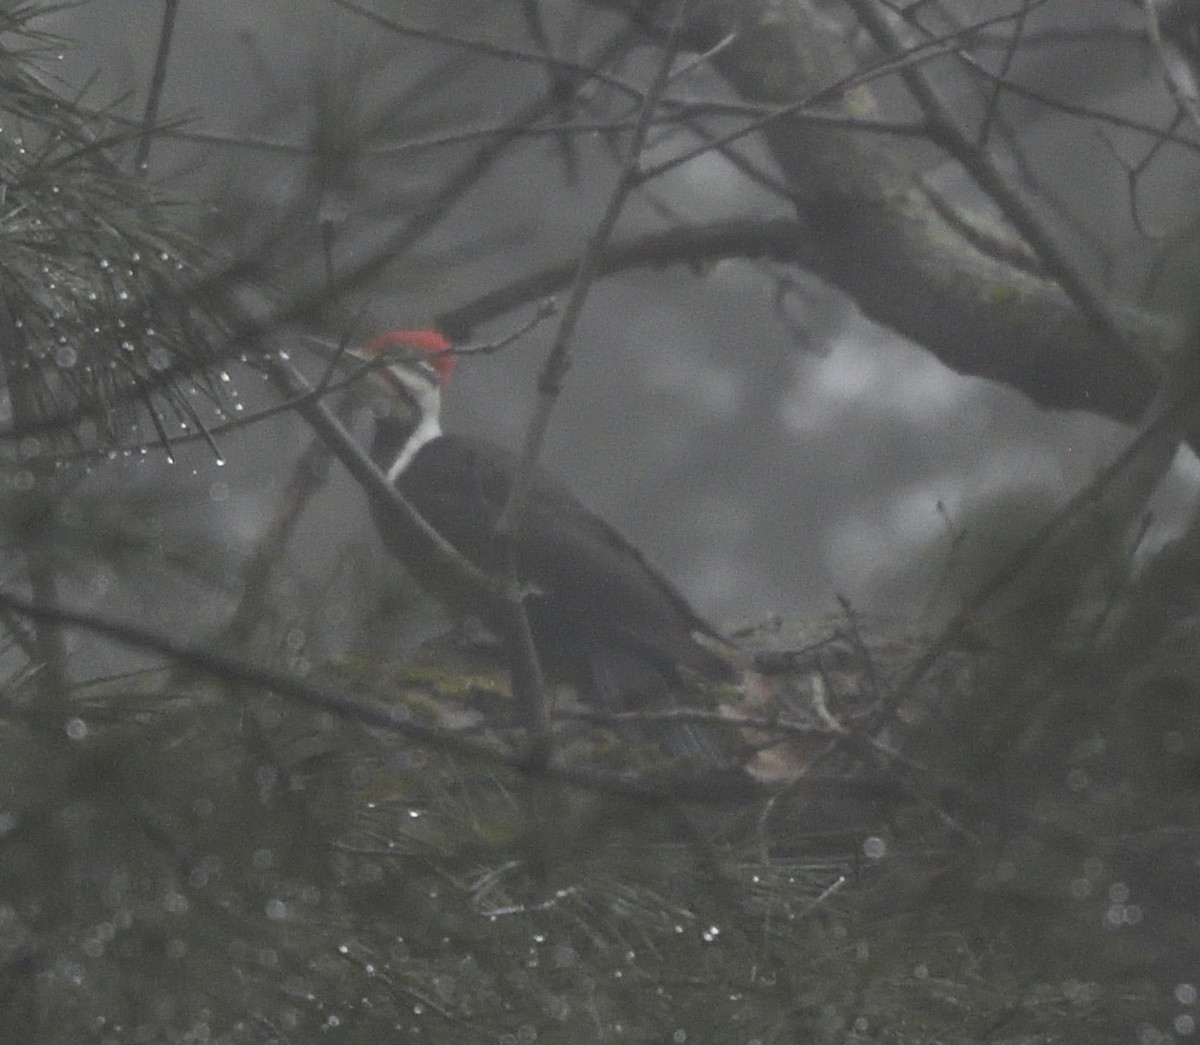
column 602, row 618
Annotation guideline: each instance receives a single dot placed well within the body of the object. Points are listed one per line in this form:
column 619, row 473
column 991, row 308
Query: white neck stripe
column 426, row 399
column 428, row 429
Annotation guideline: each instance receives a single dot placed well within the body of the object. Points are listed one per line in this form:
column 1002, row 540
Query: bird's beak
column 348, row 359
column 349, row 367
column 333, row 352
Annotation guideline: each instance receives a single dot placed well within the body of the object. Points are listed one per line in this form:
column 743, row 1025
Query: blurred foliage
column 102, row 318
column 192, row 862
column 187, row 860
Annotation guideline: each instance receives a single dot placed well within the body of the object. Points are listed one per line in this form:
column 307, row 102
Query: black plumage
column 585, row 579
column 602, row 618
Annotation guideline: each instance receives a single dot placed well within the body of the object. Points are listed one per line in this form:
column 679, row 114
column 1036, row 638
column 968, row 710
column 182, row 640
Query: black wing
column 581, row 564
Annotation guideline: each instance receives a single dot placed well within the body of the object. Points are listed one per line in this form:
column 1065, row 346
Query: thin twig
column 982, row 166
column 367, row 713
column 896, row 63
column 559, row 84
column 1006, row 61
column 424, row 537
column 427, row 216
column 1170, row 411
column 48, row 641
column 550, row 383
column 157, row 81
column 720, row 719
column 671, row 112
column 782, row 239
column 655, row 789
column 589, row 268
column 1084, row 112
column 1179, row 75
column 575, row 73
column 308, row 477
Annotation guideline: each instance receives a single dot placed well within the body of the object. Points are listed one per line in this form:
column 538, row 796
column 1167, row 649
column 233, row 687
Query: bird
column 603, row 620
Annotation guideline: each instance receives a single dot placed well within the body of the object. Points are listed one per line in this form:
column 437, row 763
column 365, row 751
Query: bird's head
column 411, row 366
column 400, row 358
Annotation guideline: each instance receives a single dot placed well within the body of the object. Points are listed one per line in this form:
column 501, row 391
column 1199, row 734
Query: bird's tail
column 621, row 680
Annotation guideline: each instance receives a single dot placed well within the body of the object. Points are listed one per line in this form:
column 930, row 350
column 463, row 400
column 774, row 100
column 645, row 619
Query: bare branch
column 49, row 646
column 549, row 384
column 779, row 240
column 899, row 62
column 981, row 165
column 559, row 85
column 1179, row 75
column 158, row 80
column 717, row 787
column 423, row 536
column 1084, row 525
column 1010, row 52
column 579, row 71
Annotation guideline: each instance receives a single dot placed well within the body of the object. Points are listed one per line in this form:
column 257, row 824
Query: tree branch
column 158, row 80
column 654, row 788
column 982, row 166
column 876, row 236
column 424, row 538
column 550, row 383
column 780, row 240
